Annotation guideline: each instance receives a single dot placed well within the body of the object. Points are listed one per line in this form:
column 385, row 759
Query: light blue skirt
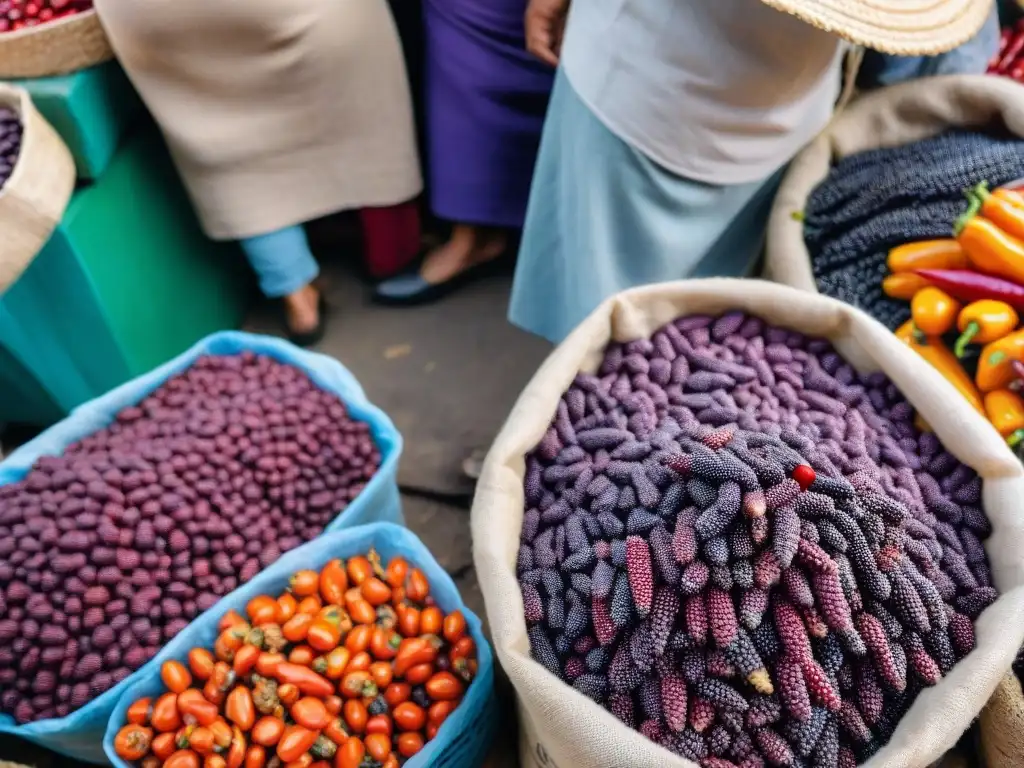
column 602, row 217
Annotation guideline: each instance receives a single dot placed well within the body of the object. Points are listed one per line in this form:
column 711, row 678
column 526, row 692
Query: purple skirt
column 485, row 100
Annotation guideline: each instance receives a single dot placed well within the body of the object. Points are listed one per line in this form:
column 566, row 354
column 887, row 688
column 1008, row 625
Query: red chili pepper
column 1013, row 49
column 969, row 286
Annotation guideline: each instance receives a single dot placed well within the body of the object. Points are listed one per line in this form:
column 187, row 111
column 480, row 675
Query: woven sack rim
column 56, row 47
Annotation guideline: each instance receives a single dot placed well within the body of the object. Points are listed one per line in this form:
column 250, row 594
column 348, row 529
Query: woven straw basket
column 1002, row 726
column 54, row 48
column 33, row 200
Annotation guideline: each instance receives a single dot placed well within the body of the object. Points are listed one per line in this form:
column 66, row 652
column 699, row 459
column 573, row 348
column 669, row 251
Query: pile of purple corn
column 746, row 550
column 10, row 142
column 109, row 550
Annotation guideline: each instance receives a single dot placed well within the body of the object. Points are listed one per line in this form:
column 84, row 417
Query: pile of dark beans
column 745, row 549
column 10, row 142
column 110, row 549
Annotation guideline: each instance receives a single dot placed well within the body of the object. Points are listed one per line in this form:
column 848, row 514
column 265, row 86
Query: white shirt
column 719, row 91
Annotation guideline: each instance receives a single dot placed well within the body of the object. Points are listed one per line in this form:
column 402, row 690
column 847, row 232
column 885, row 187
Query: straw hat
column 902, row 27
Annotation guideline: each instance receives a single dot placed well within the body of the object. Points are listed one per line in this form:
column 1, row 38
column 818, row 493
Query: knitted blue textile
column 875, row 200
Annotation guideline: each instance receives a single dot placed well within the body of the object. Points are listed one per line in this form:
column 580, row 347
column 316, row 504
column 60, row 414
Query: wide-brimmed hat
column 902, row 27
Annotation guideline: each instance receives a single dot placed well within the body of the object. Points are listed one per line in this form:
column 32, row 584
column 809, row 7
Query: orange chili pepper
column 409, row 716
column 409, row 621
column 295, row 742
column 380, row 724
column 336, row 730
column 288, row 694
column 440, row 710
column 133, row 741
column 1003, row 207
column 384, row 643
column 903, row 285
column 994, row 369
column 934, row 311
column 381, row 673
column 375, row 591
column 333, row 583
column 417, row 587
column 201, row 741
column 444, row 686
column 333, row 704
column 359, row 570
column 982, row 322
column 335, row 662
column 927, row 254
column 378, row 746
column 419, row 674
column 991, row 250
column 214, row 761
column 287, row 605
column 360, row 662
column 221, row 732
column 431, row 620
column 939, row 357
column 396, row 693
column 1005, row 410
column 307, row 681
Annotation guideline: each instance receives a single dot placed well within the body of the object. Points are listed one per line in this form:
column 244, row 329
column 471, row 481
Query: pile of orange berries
column 353, row 666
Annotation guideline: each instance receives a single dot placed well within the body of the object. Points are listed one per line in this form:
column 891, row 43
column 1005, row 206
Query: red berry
column 804, row 475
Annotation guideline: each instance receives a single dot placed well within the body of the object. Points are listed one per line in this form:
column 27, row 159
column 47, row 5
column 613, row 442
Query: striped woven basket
column 33, row 200
column 54, row 48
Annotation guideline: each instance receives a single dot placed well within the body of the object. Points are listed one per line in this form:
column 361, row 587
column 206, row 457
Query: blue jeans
column 281, row 260
column 971, row 58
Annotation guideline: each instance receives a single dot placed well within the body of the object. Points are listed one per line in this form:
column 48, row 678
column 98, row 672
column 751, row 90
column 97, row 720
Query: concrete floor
column 447, row 375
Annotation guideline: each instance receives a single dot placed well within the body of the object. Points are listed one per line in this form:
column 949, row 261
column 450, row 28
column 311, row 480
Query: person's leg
column 286, row 269
column 602, row 218
column 485, row 103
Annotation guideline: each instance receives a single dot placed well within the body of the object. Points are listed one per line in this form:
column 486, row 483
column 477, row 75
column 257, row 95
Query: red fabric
column 391, row 238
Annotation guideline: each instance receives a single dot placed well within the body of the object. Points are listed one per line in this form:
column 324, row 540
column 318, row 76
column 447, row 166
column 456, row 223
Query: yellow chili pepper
column 903, row 285
column 941, row 359
column 934, row 311
column 991, row 250
column 1005, row 410
column 927, row 254
column 1003, row 207
column 982, row 322
column 994, row 369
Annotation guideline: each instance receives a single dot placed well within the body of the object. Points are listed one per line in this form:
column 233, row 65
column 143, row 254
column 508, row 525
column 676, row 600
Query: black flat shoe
column 409, row 289
column 314, row 335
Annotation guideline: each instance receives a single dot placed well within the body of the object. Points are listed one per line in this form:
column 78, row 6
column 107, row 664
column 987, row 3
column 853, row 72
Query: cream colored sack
column 889, row 117
column 33, row 200
column 564, row 729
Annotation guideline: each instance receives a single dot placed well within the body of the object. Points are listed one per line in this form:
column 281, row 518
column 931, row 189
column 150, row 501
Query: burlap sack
column 33, row 200
column 564, row 729
column 1002, row 726
column 886, row 118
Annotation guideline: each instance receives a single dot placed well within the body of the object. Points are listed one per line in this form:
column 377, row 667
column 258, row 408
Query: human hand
column 545, row 25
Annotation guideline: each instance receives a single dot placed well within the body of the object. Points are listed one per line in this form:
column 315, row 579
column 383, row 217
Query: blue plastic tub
column 80, row 734
column 464, row 738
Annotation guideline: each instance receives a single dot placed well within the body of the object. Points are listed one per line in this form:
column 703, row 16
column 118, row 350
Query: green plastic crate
column 92, row 110
column 126, row 282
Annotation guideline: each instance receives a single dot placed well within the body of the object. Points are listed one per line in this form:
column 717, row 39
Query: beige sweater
column 275, row 112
